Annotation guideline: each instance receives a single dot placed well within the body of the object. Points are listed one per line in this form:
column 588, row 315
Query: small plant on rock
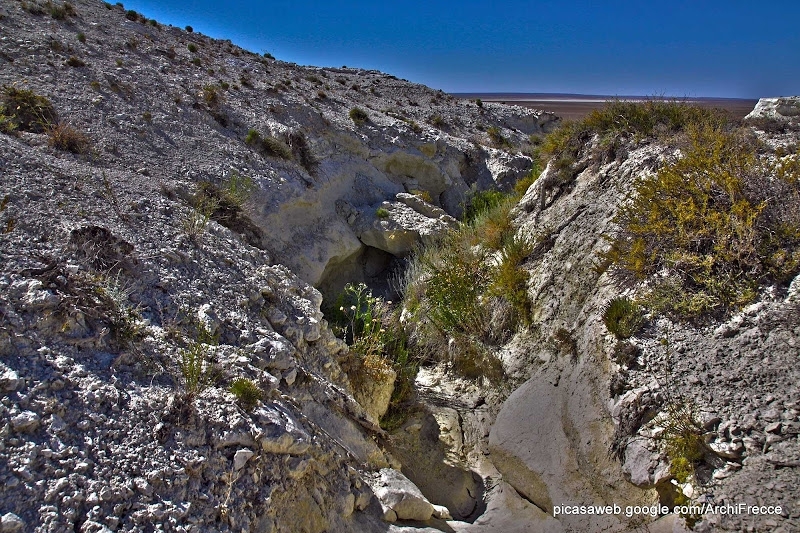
column 622, row 317
column 64, row 137
column 382, row 212
column 197, row 363
column 75, row 62
column 247, row 393
column 358, row 116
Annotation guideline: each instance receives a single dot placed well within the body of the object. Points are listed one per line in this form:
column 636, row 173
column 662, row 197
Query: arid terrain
column 189, row 342
column 576, row 106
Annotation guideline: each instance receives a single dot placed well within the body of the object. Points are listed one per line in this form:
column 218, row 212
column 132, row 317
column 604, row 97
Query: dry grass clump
column 64, row 137
column 358, row 116
column 268, row 145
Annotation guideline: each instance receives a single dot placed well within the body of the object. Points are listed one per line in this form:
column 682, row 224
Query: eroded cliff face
column 127, row 309
column 587, row 426
column 114, row 281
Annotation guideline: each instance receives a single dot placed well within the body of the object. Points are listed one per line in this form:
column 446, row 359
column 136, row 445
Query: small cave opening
column 377, row 269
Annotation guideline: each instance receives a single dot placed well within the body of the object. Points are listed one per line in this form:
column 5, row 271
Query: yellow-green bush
column 715, row 224
column 24, row 110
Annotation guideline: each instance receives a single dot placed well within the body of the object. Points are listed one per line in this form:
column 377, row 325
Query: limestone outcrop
column 786, row 108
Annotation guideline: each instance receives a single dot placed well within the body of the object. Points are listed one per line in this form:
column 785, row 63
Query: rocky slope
column 132, row 296
column 115, row 278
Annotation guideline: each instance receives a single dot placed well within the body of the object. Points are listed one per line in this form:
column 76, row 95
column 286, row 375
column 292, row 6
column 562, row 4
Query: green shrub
column 377, row 342
column 225, row 201
column 253, row 137
column 275, row 147
column 247, row 393
column 496, row 136
column 82, row 37
column 422, row 194
column 523, row 184
column 709, row 225
column 196, row 221
column 681, row 439
column 26, row 110
column 481, row 202
column 268, row 145
column 510, row 280
column 382, row 212
column 622, row 317
column 189, row 29
column 651, row 118
column 197, row 368
column 125, row 319
column 437, row 121
column 192, row 47
column 132, row 15
column 60, row 12
column 211, row 96
column 358, row 116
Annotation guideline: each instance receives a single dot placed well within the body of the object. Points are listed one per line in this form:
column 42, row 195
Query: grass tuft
column 247, row 393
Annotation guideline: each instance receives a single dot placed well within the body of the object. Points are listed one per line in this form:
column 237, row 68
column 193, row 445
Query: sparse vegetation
column 437, row 121
column 682, row 439
column 189, row 29
column 496, row 136
column 707, row 223
column 24, row 110
column 81, row 37
column 247, row 393
column 126, row 325
column 211, row 96
column 622, row 317
column 382, row 212
column 196, row 221
column 468, row 294
column 132, row 15
column 268, row 145
column 197, row 364
column 358, row 116
column 422, row 194
column 64, row 137
column 192, row 48
column 378, row 345
column 298, row 143
column 225, row 202
column 75, row 62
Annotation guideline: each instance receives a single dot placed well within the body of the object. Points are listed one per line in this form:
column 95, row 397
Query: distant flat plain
column 577, row 106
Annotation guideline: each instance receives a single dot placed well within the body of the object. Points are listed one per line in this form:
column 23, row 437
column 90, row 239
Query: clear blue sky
column 725, row 48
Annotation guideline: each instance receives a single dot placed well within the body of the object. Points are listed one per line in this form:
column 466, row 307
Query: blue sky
column 718, row 48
